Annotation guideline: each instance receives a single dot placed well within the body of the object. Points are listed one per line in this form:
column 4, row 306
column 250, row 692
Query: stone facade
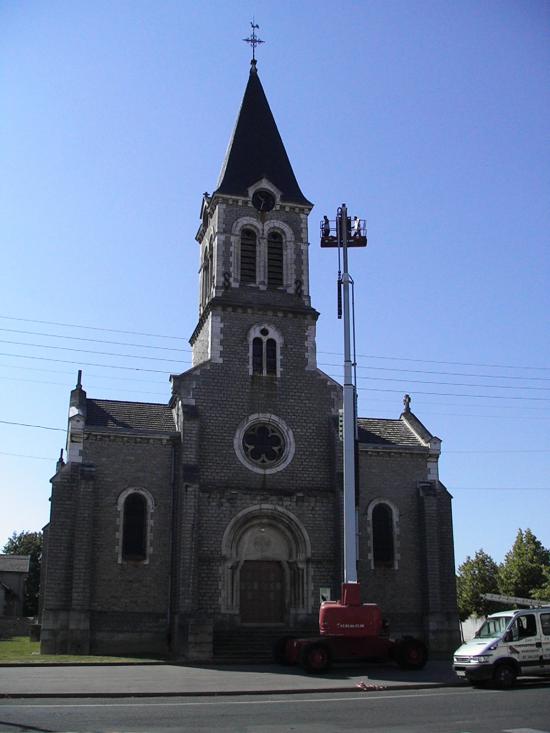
column 176, row 526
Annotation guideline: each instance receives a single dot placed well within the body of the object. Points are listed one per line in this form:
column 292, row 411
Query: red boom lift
column 349, row 629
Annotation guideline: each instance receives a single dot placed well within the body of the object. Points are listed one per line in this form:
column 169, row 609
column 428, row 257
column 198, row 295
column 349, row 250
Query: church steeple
column 256, row 150
column 253, row 240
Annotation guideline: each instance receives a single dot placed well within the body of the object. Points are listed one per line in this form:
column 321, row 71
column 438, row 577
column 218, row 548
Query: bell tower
column 253, row 235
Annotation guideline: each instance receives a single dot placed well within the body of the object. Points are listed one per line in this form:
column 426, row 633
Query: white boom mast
column 345, row 238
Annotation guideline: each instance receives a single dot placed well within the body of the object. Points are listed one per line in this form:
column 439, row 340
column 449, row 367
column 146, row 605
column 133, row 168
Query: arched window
column 257, row 356
column 383, row 550
column 248, row 256
column 210, row 267
column 134, row 527
column 274, row 260
column 264, row 354
column 207, row 275
column 206, row 280
column 271, row 356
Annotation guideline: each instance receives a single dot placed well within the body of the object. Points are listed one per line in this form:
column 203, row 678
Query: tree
column 543, row 592
column 525, row 567
column 476, row 576
column 28, row 543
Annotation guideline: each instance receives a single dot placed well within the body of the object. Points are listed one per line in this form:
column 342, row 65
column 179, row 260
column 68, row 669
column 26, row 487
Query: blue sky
column 429, row 119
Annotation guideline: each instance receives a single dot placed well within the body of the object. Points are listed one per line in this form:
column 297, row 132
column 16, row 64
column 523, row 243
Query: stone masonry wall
column 393, row 476
column 56, row 593
column 226, row 394
column 123, row 463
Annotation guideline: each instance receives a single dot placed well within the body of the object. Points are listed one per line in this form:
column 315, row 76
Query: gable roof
column 144, row 417
column 256, row 149
column 376, row 431
column 14, row 563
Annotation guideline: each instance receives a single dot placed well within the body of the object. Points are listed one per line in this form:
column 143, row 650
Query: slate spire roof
column 256, row 149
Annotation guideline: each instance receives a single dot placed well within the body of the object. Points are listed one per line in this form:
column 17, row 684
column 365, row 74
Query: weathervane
column 253, row 39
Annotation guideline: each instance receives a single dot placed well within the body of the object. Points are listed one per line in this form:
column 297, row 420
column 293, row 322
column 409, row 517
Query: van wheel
column 504, row 676
column 316, row 658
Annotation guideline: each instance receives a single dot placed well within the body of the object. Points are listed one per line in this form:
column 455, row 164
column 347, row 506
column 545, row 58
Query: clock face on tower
column 263, row 200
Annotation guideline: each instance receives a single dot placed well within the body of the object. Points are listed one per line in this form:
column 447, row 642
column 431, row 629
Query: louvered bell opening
column 257, row 356
column 275, row 260
column 248, row 256
column 271, row 357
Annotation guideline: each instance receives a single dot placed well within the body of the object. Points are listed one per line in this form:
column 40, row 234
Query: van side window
column 527, row 626
column 545, row 623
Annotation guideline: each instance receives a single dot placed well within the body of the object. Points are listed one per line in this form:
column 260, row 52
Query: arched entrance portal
column 266, row 570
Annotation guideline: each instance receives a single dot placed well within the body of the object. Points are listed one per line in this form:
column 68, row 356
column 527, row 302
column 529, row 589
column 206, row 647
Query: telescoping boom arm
column 347, row 233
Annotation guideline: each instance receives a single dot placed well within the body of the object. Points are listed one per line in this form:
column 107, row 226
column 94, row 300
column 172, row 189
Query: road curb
column 39, row 665
column 228, row 693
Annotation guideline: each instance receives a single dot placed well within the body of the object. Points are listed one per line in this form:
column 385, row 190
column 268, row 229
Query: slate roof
column 14, row 563
column 387, row 432
column 134, row 416
column 256, row 149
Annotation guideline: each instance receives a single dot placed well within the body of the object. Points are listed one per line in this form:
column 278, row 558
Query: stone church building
column 208, row 525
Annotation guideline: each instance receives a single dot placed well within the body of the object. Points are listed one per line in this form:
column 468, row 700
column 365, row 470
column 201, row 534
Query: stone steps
column 251, row 644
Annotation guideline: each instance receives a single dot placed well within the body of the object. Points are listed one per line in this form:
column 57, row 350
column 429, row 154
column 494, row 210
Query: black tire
column 410, row 654
column 316, row 658
column 280, row 655
column 504, row 676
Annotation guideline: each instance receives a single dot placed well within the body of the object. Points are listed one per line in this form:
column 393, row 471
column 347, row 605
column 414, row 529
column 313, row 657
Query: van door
column 545, row 639
column 525, row 645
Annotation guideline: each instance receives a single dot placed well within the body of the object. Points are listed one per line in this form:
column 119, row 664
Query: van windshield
column 493, row 627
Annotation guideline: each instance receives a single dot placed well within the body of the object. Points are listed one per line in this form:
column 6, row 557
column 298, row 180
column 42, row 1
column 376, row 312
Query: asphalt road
column 445, row 710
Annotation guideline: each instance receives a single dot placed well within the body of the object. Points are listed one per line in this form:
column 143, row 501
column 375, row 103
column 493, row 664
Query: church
column 206, row 527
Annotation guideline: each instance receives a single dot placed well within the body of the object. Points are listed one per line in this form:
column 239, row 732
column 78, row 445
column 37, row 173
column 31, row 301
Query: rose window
column 263, row 444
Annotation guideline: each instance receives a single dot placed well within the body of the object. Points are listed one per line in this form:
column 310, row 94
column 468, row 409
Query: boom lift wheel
column 280, row 655
column 316, row 658
column 411, row 654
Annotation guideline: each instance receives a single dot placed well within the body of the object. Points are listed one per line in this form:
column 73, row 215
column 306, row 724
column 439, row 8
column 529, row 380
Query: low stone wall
column 14, row 627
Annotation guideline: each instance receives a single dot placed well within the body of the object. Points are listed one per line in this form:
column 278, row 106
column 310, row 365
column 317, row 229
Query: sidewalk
column 175, row 680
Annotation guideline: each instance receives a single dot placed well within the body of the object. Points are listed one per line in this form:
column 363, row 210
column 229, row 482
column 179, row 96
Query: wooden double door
column 262, row 592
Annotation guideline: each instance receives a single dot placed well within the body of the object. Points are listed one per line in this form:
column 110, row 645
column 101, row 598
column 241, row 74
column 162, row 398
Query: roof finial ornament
column 407, row 403
column 253, row 41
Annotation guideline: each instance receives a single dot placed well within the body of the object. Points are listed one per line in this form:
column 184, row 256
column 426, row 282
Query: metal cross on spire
column 253, row 39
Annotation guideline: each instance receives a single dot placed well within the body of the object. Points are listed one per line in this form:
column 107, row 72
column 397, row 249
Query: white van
column 510, row 643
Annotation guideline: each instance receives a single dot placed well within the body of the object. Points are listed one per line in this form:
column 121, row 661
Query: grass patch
column 21, row 650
